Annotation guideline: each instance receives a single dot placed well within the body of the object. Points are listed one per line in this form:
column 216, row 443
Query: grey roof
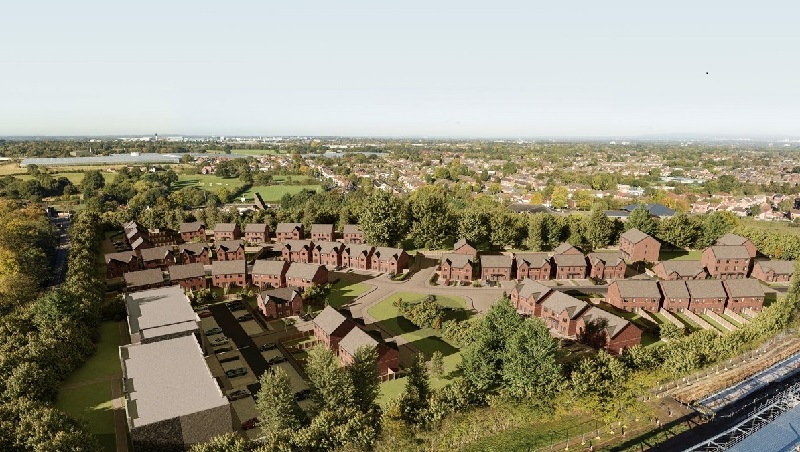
column 356, row 339
column 385, row 253
column 730, row 252
column 674, row 289
column 747, row 287
column 457, row 260
column 617, row 213
column 659, row 210
column 122, row 256
column 191, row 227
column 614, row 324
column 634, row 235
column 229, row 246
column 265, row 267
column 778, row 266
column 302, row 271
column 535, row 260
column 151, row 309
column 355, row 249
column 569, row 260
column 638, row 288
column 731, row 239
column 565, row 248
column 327, row 247
column 113, row 159
column 193, row 248
column 143, row 277
column 682, row 268
column 136, row 244
column 297, row 245
column 167, row 380
column 497, row 260
column 157, row 253
column 322, row 229
column 529, row 287
column 185, row 271
column 228, row 267
column 225, row 227
column 610, row 258
column 706, row 288
column 256, row 227
column 287, row 227
column 559, row 302
column 329, row 319
column 351, row 229
column 280, row 296
column 460, row 243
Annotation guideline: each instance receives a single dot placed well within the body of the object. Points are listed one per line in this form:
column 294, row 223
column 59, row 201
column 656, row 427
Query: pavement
column 247, row 348
column 62, row 252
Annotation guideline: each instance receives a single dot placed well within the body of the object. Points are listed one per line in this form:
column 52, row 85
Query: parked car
column 249, row 424
column 222, row 350
column 213, row 331
column 228, row 359
column 219, row 341
column 238, row 394
column 267, row 346
column 238, row 372
column 302, row 395
column 276, row 359
column 245, row 317
column 204, row 314
column 235, row 305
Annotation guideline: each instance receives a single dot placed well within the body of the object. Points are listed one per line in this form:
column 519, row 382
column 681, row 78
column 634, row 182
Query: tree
column 365, row 378
column 679, row 230
column 641, row 219
column 414, row 400
column 715, row 226
column 670, row 331
column 600, row 382
column 331, row 386
column 529, row 361
column 437, row 364
column 558, row 200
column 92, row 181
column 598, row 229
column 474, row 226
column 482, row 358
column 431, row 221
column 229, row 442
column 384, row 219
column 278, row 413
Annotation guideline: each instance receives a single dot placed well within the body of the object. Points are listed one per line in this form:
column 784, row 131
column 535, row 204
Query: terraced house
column 614, row 334
column 675, row 295
column 560, row 313
column 120, row 263
column 322, row 232
column 773, row 270
column 744, row 295
column 256, row 233
column 192, row 253
column 680, row 270
column 527, row 297
column 304, row 275
column 230, row 250
column 497, row 267
column 143, row 279
column 193, row 232
column 607, row 265
column 358, row 256
column 535, row 266
column 188, row 276
column 634, row 295
column 229, row 273
column 297, row 251
column 269, row 273
column 457, row 267
column 330, row 327
column 706, row 295
column 726, row 262
column 328, row 253
column 289, row 231
column 159, row 257
column 389, row 260
column 227, row 231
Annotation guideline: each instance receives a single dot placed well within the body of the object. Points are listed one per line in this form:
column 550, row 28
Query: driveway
column 248, row 349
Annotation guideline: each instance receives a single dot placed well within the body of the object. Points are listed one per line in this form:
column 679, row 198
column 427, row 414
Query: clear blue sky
column 412, row 68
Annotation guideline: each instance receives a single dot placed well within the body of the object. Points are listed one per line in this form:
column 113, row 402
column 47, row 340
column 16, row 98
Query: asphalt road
column 62, row 252
column 248, row 349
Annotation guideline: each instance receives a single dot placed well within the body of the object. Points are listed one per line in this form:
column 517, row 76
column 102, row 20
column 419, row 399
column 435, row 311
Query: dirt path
column 120, row 423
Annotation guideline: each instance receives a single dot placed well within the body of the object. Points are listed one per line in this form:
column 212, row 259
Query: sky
column 413, row 68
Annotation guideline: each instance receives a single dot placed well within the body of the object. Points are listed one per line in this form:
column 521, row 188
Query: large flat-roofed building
column 172, row 400
column 159, row 314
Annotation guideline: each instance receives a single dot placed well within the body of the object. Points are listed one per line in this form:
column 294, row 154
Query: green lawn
column 691, row 325
column 680, row 255
column 713, row 323
column 105, row 361
column 75, row 177
column 276, row 192
column 92, row 403
column 731, row 321
column 536, row 434
column 344, row 292
column 212, row 182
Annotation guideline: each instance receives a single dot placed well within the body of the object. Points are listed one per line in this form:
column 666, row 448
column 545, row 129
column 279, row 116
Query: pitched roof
column 355, row 249
column 634, row 235
column 157, row 253
column 674, row 289
column 356, row 339
column 780, row 267
column 460, row 243
column 637, row 288
column 322, row 229
column 228, row 267
column 143, row 277
column 569, row 260
column 565, row 248
column 610, row 258
column 185, row 271
column 229, row 246
column 225, row 227
column 297, row 245
column 614, row 324
column 287, row 227
column 659, row 210
column 265, row 267
column 302, row 271
column 497, row 260
column 731, row 239
column 730, row 252
column 326, row 247
column 256, row 227
column 681, row 268
column 280, row 296
column 747, row 287
column 706, row 288
column 123, row 256
column 385, row 253
column 351, row 229
column 559, row 302
column 457, row 260
column 529, row 287
column 193, row 248
column 191, row 227
column 329, row 319
column 534, row 260
column 151, row 310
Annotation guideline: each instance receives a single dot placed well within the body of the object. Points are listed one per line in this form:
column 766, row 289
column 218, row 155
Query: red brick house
column 737, row 240
column 744, row 294
column 534, row 266
column 330, row 327
column 497, row 267
column 637, row 246
column 388, row 358
column 289, row 231
column 358, row 256
column 675, row 295
column 143, row 279
column 680, row 270
column 527, row 296
column 617, row 333
column 607, row 265
column 256, row 233
column 233, row 273
column 566, row 248
column 159, row 257
column 193, row 232
column 189, row 276
column 192, row 253
column 462, row 247
column 280, row 303
column 389, row 260
column 322, row 232
column 227, row 231
column 352, row 233
column 327, row 253
column 304, row 275
column 269, row 273
column 119, row 263
column 136, row 234
column 634, row 295
column 141, row 243
column 457, row 267
column 569, row 266
column 726, row 262
column 706, row 294
column 773, row 270
column 230, row 250
column 560, row 313
column 297, row 251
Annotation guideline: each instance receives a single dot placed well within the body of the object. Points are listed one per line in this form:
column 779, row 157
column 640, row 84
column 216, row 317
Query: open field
column 777, row 226
column 680, row 255
column 343, row 292
column 245, row 151
column 75, row 177
column 268, row 193
column 276, row 192
column 105, row 361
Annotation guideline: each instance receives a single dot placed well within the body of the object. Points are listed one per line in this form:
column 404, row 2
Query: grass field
column 105, row 361
column 536, row 434
column 268, row 193
column 680, row 255
column 344, row 292
column 245, row 151
column 691, row 325
column 75, row 177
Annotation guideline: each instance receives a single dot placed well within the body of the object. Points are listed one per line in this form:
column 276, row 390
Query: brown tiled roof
column 228, row 267
column 326, row 247
column 185, row 271
column 329, row 319
column 265, row 267
column 706, row 288
column 287, row 227
column 614, row 324
column 191, row 227
column 322, row 229
column 634, row 235
column 731, row 240
column 778, row 266
column 674, row 289
column 356, row 339
column 351, row 229
column 225, row 227
column 738, row 288
column 529, row 287
column 280, row 296
column 730, row 252
column 157, row 253
column 256, row 227
column 297, row 245
column 638, row 288
column 682, row 268
column 534, row 260
column 143, row 277
column 385, row 253
column 457, row 260
column 123, row 256
column 610, row 258
column 302, row 271
column 229, row 246
column 569, row 260
column 559, row 302
column 460, row 243
column 356, row 249
column 564, row 248
column 193, row 248
column 496, row 261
